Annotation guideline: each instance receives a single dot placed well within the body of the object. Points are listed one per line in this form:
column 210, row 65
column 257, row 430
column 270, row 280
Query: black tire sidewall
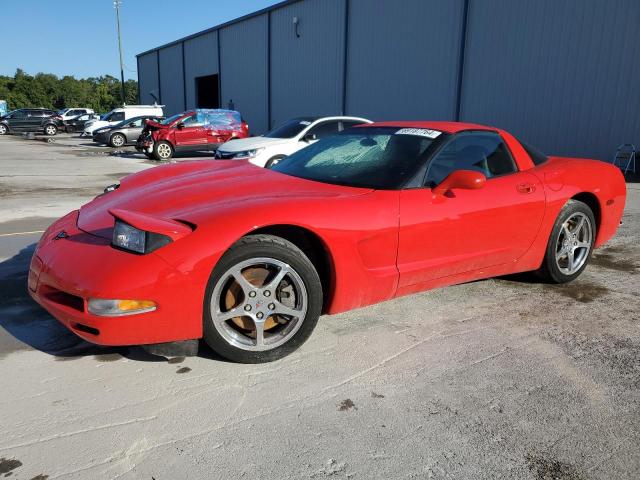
column 550, row 269
column 279, row 249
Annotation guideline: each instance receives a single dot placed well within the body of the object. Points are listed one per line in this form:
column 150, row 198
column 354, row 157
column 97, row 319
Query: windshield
column 171, row 119
column 289, row 129
column 371, row 157
column 63, row 111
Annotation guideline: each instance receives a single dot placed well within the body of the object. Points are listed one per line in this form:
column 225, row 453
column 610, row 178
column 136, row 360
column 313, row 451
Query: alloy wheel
column 259, row 304
column 50, row 130
column 164, row 151
column 574, row 243
column 3, row 129
column 117, row 140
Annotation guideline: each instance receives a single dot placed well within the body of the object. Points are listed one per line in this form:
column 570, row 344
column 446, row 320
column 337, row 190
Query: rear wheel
column 50, row 130
column 262, row 301
column 162, row 150
column 117, row 140
column 3, row 129
column 570, row 244
column 71, row 129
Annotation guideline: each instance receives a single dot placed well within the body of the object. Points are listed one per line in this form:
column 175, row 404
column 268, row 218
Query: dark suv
column 30, row 120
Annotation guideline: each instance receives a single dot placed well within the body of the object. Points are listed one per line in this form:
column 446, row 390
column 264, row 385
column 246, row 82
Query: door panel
column 468, row 229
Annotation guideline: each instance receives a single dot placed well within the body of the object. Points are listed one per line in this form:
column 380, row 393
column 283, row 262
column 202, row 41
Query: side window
column 19, row 114
column 191, row 121
column 483, row 152
column 325, row 129
column 117, row 117
column 136, row 123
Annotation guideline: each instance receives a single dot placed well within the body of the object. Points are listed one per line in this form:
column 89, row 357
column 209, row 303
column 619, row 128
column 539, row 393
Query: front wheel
column 162, row 151
column 262, row 301
column 50, row 130
column 570, row 244
column 3, row 129
column 117, row 140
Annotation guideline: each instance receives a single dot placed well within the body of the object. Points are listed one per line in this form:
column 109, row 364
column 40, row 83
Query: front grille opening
column 86, row 328
column 63, row 298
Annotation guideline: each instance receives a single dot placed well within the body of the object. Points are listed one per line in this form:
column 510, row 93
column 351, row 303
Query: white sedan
column 291, row 136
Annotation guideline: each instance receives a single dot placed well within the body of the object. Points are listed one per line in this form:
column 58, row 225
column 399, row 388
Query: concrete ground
column 497, row 379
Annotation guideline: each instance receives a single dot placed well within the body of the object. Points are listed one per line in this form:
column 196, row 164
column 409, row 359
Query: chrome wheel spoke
column 242, row 282
column 570, row 259
column 222, row 317
column 282, row 309
column 273, row 284
column 259, row 333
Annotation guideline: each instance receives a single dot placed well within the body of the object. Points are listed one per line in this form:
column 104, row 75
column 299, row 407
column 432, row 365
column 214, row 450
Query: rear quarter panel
column 567, row 178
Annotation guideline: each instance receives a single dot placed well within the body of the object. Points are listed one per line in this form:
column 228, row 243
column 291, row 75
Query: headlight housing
column 135, row 240
column 248, row 153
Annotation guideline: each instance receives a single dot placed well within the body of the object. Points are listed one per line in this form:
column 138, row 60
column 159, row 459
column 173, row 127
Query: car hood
column 188, row 190
column 95, row 124
column 243, row 144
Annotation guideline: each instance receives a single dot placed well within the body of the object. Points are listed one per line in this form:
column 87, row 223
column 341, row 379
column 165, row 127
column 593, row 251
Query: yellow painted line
column 20, row 233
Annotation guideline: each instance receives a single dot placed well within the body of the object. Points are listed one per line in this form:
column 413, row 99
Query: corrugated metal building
column 562, row 74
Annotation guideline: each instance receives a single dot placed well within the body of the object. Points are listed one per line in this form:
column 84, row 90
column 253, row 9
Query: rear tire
column 71, row 129
column 50, row 130
column 570, row 244
column 117, row 140
column 3, row 129
column 162, row 151
column 264, row 299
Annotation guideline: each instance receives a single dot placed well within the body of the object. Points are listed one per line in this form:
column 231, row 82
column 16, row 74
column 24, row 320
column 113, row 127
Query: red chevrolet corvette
column 248, row 258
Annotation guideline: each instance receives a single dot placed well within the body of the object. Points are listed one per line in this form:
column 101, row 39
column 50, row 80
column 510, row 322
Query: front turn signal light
column 116, row 308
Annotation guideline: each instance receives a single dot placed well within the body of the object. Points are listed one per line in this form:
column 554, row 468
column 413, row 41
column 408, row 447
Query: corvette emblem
column 60, row 235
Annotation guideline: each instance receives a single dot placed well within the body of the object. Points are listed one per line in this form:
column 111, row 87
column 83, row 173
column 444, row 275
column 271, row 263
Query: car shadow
column 34, row 328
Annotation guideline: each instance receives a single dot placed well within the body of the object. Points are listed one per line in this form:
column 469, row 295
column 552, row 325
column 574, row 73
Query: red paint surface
column 381, row 244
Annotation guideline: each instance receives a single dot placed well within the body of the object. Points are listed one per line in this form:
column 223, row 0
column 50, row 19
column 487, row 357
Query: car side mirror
column 464, row 179
column 310, row 137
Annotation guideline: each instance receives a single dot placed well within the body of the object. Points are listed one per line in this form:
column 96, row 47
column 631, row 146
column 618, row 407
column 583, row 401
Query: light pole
column 117, row 4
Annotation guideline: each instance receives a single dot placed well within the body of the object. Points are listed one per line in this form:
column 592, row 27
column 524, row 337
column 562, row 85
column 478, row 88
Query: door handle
column 526, row 188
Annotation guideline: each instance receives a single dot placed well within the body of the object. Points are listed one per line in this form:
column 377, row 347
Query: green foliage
column 48, row 91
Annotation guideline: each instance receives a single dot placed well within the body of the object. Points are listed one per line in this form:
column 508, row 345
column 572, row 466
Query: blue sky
column 74, row 37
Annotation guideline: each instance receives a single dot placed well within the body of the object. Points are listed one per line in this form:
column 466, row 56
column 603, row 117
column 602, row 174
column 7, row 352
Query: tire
column 162, row 150
column 273, row 161
column 4, row 130
column 50, row 130
column 574, row 231
column 117, row 140
column 236, row 337
column 71, row 129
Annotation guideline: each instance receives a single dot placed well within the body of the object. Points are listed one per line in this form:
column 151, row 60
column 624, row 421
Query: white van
column 69, row 113
column 120, row 114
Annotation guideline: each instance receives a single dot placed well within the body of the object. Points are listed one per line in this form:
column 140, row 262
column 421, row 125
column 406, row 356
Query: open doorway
column 207, row 92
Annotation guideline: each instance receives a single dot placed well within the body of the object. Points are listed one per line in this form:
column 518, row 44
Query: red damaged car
column 248, row 258
column 195, row 130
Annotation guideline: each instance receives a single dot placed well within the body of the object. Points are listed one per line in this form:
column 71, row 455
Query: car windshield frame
column 372, row 162
column 277, row 132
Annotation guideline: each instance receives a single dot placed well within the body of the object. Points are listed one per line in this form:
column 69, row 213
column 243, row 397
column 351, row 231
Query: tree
column 49, row 91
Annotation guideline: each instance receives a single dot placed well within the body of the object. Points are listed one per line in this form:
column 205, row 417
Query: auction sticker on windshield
column 421, row 132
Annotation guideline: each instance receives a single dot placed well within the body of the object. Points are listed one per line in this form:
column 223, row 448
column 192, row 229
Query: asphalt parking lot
column 504, row 378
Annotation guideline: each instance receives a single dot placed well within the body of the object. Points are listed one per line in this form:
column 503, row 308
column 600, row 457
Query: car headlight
column 135, row 240
column 248, row 153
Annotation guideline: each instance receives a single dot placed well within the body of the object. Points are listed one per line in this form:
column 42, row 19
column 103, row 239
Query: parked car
column 124, row 133
column 69, row 113
column 30, row 120
column 194, row 130
column 118, row 115
column 248, row 258
column 291, row 136
column 77, row 124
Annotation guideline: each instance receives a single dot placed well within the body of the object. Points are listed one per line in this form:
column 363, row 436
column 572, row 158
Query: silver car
column 124, row 133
